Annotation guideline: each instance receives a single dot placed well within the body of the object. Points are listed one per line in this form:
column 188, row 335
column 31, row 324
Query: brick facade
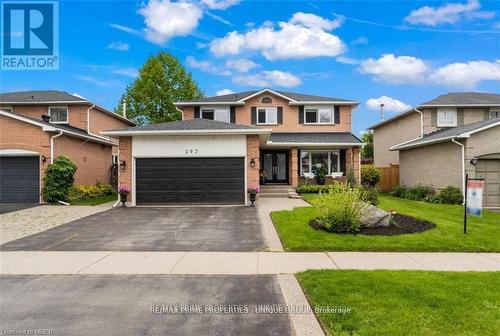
column 293, row 167
column 253, row 174
column 125, row 155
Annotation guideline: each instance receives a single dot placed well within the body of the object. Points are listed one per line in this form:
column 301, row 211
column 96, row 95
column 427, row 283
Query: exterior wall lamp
column 252, row 163
column 44, row 159
column 123, row 165
column 474, row 161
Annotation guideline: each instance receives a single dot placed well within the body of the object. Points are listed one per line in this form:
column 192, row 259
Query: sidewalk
column 241, row 263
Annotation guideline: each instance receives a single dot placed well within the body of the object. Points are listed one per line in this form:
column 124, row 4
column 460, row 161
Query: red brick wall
column 125, row 176
column 101, row 121
column 253, row 175
column 352, row 160
column 293, row 164
column 77, row 113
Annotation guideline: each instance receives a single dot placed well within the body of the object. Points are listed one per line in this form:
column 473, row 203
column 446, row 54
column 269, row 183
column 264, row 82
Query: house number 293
column 192, row 151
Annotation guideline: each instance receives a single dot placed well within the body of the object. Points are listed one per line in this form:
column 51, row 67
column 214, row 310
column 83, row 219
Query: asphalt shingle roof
column 188, row 125
column 465, row 98
column 42, row 96
column 315, row 137
column 234, row 97
column 449, row 133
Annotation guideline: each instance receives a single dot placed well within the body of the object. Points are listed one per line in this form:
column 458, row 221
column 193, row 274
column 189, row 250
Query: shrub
column 369, row 176
column 369, row 195
column 420, row 192
column 339, row 209
column 351, row 179
column 58, row 180
column 399, row 191
column 311, row 188
column 80, row 192
column 450, row 195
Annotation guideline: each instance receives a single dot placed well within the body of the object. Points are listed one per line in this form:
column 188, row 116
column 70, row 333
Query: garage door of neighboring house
column 19, row 179
column 190, row 181
column 490, row 171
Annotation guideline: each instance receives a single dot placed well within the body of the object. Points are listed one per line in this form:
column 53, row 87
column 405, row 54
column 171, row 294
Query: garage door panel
column 490, row 171
column 19, row 179
column 190, row 180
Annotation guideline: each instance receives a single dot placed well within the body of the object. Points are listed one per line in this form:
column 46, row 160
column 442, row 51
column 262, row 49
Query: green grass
column 406, row 302
column 96, row 200
column 482, row 236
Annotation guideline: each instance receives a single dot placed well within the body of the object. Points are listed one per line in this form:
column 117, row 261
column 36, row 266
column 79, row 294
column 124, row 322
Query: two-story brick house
column 224, row 143
column 38, row 126
column 439, row 141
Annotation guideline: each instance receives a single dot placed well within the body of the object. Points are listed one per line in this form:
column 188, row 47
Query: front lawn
column 482, row 236
column 96, row 200
column 406, row 302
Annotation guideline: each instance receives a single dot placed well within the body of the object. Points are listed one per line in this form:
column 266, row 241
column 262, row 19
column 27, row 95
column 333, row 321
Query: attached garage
column 19, row 179
column 190, row 180
column 489, row 169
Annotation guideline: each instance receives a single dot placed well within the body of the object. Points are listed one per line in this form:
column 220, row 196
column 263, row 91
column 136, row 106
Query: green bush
column 58, row 180
column 450, row 195
column 339, row 209
column 311, row 188
column 81, row 192
column 420, row 192
column 351, row 179
column 369, row 195
column 399, row 191
column 369, row 175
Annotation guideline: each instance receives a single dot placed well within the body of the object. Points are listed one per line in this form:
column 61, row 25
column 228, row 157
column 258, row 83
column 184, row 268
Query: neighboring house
column 223, row 144
column 38, row 126
column 440, row 141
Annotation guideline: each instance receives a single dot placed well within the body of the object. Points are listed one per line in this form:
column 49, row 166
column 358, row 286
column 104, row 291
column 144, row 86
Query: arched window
column 266, row 100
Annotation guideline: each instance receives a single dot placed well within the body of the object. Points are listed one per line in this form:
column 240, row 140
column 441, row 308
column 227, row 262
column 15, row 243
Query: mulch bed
column 402, row 225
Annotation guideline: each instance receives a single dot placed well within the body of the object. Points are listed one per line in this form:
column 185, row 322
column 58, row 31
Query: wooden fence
column 389, row 177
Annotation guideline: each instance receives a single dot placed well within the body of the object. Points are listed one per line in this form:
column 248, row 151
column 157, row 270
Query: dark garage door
column 19, row 179
column 190, row 181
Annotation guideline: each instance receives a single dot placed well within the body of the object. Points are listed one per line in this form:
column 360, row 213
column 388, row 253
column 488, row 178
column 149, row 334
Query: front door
column 275, row 164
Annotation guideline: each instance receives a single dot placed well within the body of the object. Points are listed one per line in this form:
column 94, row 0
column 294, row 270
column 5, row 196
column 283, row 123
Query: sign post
column 473, row 203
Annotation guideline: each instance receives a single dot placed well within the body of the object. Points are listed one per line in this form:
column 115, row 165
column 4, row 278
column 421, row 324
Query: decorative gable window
column 58, row 115
column 322, row 115
column 216, row 113
column 267, row 115
column 266, row 100
column 447, row 118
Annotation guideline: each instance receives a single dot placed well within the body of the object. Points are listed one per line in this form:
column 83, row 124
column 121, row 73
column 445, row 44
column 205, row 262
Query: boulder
column 371, row 216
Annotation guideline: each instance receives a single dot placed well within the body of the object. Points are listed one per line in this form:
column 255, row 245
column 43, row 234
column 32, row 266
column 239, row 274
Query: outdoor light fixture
column 123, row 164
column 252, row 163
column 474, row 161
column 43, row 158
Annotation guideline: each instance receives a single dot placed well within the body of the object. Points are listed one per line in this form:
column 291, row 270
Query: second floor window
column 320, row 115
column 494, row 114
column 218, row 114
column 58, row 114
column 268, row 115
column 447, row 118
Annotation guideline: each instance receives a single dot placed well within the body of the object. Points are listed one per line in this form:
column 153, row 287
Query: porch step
column 277, row 191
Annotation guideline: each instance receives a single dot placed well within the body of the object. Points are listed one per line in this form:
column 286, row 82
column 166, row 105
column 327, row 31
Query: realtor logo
column 30, row 35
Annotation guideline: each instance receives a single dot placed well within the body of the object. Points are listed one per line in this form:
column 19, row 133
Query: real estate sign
column 475, row 197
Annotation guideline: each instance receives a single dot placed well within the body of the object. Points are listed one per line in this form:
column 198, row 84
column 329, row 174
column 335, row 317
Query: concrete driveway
column 153, row 229
column 127, row 305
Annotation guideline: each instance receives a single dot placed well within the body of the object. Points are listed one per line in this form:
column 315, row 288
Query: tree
column 162, row 80
column 367, row 151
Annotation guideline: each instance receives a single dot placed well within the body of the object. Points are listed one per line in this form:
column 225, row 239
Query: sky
column 400, row 53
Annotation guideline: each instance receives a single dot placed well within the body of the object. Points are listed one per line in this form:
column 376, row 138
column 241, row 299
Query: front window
column 494, row 114
column 320, row 115
column 268, row 115
column 6, row 108
column 330, row 160
column 58, row 114
column 216, row 113
column 447, row 118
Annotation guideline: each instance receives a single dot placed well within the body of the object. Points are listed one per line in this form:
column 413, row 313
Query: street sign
column 475, row 197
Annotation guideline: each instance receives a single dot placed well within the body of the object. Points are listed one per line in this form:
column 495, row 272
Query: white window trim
column 318, row 122
column 329, row 151
column 446, row 111
column 214, row 108
column 494, row 111
column 267, row 108
column 59, row 122
column 7, row 108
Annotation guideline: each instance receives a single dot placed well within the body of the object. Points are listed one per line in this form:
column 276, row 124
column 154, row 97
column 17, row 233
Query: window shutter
column 280, row 115
column 196, row 112
column 254, row 115
column 342, row 162
column 434, row 117
column 232, row 114
column 336, row 114
column 460, row 116
column 301, row 114
column 299, row 159
column 486, row 114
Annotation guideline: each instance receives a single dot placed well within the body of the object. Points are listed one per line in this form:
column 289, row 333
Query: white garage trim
column 17, row 152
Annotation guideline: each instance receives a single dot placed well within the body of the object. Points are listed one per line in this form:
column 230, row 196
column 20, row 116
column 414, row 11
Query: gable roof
column 49, row 127
column 240, row 97
column 458, row 99
column 52, row 97
column 460, row 132
column 196, row 126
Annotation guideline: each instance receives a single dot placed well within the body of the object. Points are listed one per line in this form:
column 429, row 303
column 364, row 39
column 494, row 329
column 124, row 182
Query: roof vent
column 45, row 118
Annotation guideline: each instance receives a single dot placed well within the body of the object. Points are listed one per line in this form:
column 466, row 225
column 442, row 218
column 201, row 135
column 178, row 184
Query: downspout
column 52, row 145
column 463, row 165
column 421, row 122
column 181, row 111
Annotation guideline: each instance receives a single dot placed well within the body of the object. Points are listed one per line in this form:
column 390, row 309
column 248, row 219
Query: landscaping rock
column 371, row 216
